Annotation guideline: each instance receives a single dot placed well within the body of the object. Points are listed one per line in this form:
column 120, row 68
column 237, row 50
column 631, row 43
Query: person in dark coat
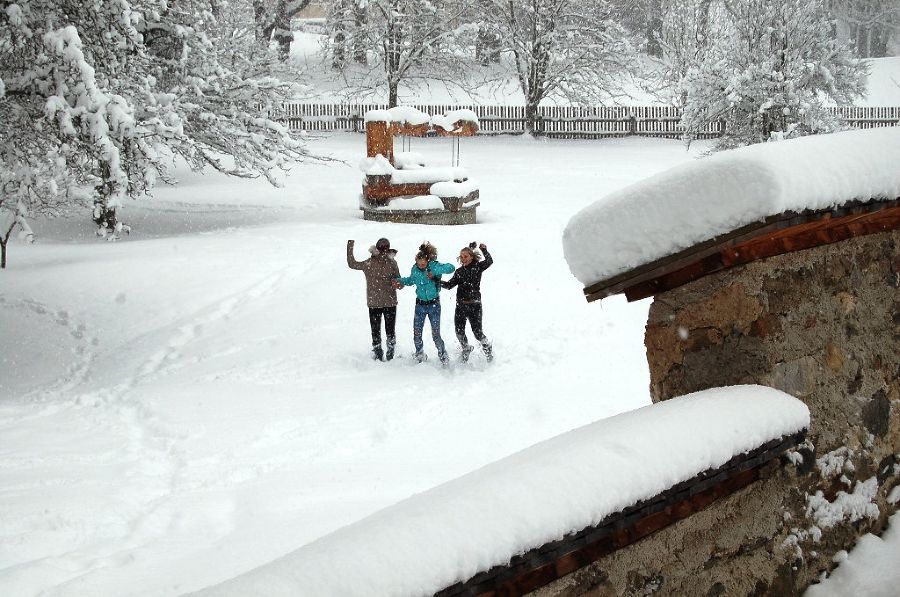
column 381, row 294
column 468, row 298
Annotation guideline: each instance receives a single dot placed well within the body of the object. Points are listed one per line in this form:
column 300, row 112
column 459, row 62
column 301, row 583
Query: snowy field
column 198, row 399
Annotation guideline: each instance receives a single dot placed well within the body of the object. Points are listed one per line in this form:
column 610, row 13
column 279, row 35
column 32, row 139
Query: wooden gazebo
column 385, row 188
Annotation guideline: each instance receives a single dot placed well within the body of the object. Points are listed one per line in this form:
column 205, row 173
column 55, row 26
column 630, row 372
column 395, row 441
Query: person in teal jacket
column 426, row 276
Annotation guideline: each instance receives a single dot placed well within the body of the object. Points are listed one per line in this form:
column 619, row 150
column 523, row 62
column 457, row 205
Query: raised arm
column 488, row 260
column 352, row 263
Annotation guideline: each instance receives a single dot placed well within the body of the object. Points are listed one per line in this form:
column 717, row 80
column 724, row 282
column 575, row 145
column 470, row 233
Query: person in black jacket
column 468, row 298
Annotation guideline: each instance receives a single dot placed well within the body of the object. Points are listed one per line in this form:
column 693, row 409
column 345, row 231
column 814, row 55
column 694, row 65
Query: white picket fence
column 563, row 122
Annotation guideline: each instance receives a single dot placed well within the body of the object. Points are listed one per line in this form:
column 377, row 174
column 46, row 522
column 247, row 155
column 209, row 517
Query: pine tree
column 771, row 73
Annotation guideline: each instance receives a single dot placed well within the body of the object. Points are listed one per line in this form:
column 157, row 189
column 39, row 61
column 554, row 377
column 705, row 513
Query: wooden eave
column 551, row 561
column 410, row 130
column 776, row 235
column 461, row 128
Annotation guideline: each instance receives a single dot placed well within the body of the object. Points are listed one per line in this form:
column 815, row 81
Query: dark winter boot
column 377, row 353
column 390, row 349
column 488, row 351
column 466, row 351
column 420, row 357
column 445, row 358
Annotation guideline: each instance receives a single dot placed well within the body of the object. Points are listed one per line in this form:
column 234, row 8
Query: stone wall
column 823, row 325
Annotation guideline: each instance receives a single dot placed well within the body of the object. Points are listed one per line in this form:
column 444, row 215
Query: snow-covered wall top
column 380, row 166
column 424, row 175
column 405, row 114
column 414, row 116
column 690, row 204
column 453, row 189
column 448, row 121
column 449, row 533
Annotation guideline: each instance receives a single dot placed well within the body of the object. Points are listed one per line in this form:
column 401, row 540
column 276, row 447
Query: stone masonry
column 822, row 325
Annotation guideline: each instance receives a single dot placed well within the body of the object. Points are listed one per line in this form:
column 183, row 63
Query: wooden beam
column 383, row 193
column 461, row 128
column 775, row 235
column 379, row 140
column 554, row 560
column 410, row 130
column 808, row 235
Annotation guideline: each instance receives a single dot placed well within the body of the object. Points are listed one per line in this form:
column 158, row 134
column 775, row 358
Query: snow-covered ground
column 198, row 400
column 883, row 83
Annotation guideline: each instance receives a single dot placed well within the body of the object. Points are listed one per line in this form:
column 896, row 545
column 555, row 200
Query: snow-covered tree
column 771, row 72
column 562, row 49
column 12, row 217
column 96, row 98
column 273, row 21
column 870, row 26
column 346, row 22
column 688, row 27
column 395, row 42
column 643, row 18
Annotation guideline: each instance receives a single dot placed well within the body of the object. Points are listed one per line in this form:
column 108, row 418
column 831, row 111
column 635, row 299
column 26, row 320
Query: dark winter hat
column 384, row 245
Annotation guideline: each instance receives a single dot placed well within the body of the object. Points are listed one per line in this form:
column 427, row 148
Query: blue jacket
column 427, row 289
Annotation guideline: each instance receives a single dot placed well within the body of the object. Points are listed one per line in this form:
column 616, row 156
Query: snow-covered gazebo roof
column 734, row 207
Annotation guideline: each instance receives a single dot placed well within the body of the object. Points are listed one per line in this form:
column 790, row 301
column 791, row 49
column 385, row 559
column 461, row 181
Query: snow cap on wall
column 448, row 121
column 455, row 530
column 402, row 114
column 689, row 204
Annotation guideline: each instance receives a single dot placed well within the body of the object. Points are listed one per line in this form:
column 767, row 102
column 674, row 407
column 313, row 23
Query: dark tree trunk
column 259, row 20
column 283, row 35
column 392, row 93
column 277, row 25
column 359, row 42
column 392, row 62
column 532, row 117
column 654, row 28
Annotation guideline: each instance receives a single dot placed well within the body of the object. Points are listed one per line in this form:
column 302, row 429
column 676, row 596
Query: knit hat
column 384, row 246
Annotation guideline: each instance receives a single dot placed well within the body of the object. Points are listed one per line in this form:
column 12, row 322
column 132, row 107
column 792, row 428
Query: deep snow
column 197, row 400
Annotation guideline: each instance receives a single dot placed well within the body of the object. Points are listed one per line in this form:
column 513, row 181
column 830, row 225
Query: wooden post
column 379, row 139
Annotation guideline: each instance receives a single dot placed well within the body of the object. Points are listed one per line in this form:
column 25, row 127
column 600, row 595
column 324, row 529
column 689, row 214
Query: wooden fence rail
column 569, row 122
